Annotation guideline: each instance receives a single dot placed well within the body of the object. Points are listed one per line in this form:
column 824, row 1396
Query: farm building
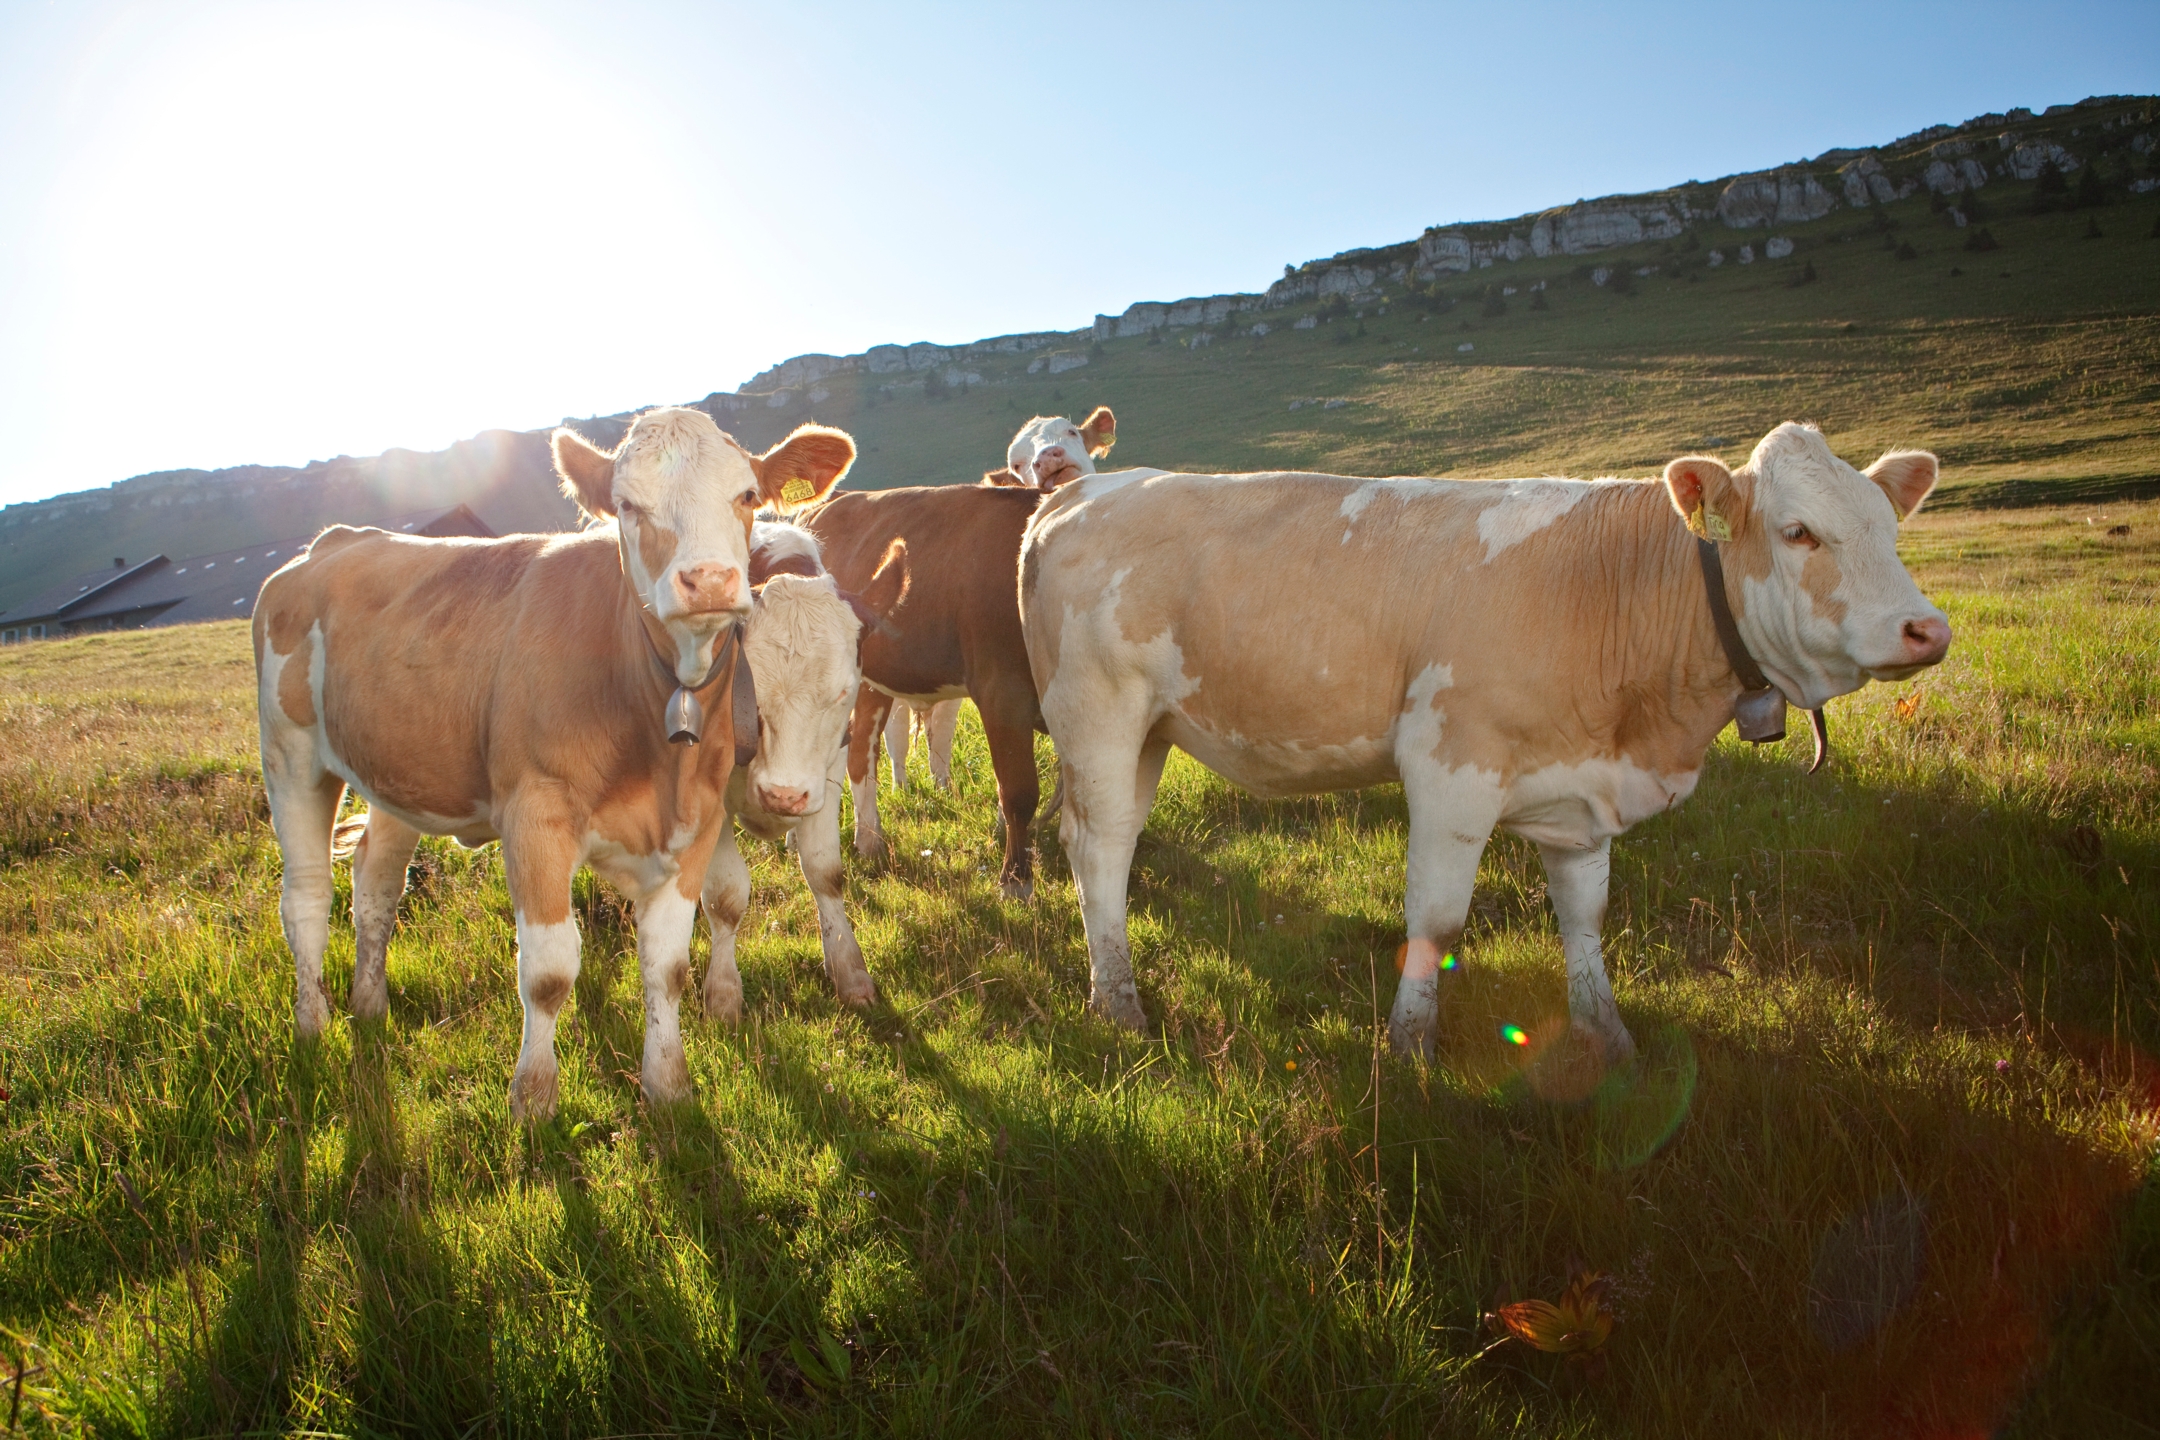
column 160, row 591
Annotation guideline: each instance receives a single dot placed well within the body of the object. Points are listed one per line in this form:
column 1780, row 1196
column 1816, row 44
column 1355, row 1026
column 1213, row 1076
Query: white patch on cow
column 1355, row 503
column 1418, row 730
column 778, row 542
column 546, row 955
column 1524, row 508
column 1157, row 662
column 803, row 646
column 933, row 697
column 637, row 876
column 1586, row 802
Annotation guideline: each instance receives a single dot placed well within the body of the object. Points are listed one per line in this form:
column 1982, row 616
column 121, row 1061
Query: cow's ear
column 1906, row 476
column 803, row 467
column 588, row 473
column 1700, row 487
column 889, row 582
column 1100, row 431
column 1004, row 477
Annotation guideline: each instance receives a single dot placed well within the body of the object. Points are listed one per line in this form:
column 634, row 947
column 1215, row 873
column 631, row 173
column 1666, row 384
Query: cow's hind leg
column 1110, row 788
column 726, row 898
column 817, row 845
column 539, row 857
column 938, row 727
column 1452, row 815
column 665, row 919
column 1009, row 726
column 303, row 810
column 378, row 880
column 1577, row 880
column 899, row 721
column 871, row 707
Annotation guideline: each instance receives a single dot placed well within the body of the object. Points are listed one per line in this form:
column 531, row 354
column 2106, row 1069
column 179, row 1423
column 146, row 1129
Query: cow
column 956, row 630
column 524, row 689
column 1048, row 451
column 803, row 643
column 1539, row 655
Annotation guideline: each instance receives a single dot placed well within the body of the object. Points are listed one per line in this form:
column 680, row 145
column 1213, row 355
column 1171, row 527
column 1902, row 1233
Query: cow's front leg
column 727, row 898
column 378, row 881
column 1452, row 814
column 871, row 708
column 817, row 845
column 1578, row 879
column 665, row 919
column 899, row 723
column 539, row 857
column 1009, row 728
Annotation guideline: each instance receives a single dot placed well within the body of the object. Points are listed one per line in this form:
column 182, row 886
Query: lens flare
column 1448, row 961
column 1514, row 1035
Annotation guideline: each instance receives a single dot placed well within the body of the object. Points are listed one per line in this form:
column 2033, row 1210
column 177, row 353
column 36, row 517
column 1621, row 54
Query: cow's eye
column 1799, row 535
column 748, row 497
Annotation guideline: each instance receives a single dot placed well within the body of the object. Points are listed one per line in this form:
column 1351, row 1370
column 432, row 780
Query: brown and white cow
column 804, row 645
column 956, row 629
column 1538, row 655
column 515, row 689
column 1049, row 451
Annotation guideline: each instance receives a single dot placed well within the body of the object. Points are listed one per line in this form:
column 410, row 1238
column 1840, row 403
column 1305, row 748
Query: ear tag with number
column 796, row 491
column 1708, row 524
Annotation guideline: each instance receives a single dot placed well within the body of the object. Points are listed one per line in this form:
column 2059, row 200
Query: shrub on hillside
column 2091, row 190
column 1537, row 299
column 1495, row 303
column 1906, row 252
column 1982, row 239
column 2048, row 189
column 1622, row 281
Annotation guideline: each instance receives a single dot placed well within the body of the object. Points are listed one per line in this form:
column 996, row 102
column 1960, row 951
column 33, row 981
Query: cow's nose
column 708, row 587
column 783, row 800
column 1927, row 640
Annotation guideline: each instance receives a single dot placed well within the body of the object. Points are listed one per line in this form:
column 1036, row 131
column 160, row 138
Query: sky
column 237, row 232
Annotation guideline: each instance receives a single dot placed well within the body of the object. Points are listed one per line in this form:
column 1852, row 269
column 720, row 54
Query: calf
column 523, row 689
column 956, row 629
column 1540, row 655
column 804, row 645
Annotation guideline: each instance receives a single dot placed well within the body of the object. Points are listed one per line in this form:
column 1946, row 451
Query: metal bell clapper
column 684, row 718
column 1759, row 715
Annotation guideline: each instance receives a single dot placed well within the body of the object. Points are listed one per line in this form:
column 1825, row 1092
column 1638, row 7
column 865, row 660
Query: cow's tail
column 346, row 835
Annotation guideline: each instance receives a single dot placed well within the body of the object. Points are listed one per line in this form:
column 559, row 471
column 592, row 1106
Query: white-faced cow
column 519, row 689
column 804, row 643
column 956, row 630
column 1539, row 655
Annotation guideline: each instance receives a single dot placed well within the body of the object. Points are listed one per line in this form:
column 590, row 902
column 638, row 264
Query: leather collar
column 684, row 719
column 1759, row 713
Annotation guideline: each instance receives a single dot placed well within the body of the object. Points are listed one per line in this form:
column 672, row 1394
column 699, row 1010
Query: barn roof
column 221, row 586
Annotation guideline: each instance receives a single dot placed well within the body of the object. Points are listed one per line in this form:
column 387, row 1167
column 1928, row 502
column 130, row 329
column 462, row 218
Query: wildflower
column 1580, row 1323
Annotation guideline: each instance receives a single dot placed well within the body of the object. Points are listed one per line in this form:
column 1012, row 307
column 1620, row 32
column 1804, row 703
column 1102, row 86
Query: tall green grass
column 1885, row 1168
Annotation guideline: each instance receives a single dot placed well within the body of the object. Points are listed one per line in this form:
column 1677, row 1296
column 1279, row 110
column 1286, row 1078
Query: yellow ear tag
column 796, row 491
column 1715, row 524
column 1695, row 524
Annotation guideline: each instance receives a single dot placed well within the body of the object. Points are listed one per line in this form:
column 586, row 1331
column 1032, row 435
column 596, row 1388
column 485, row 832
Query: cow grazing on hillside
column 956, row 629
column 1049, row 451
column 518, row 689
column 804, row 644
column 1539, row 655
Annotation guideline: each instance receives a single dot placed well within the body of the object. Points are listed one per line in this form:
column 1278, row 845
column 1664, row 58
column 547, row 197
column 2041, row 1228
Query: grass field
column 1887, row 1167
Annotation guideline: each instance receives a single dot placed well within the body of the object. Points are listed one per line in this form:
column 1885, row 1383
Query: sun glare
column 374, row 229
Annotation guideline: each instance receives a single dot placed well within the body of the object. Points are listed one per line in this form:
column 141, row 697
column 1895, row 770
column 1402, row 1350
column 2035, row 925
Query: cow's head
column 1821, row 598
column 682, row 495
column 804, row 645
column 1050, row 450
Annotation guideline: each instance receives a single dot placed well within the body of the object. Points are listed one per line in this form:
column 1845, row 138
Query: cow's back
column 1284, row 620
column 959, row 620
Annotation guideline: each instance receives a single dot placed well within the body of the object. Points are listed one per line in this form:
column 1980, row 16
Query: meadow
column 1887, row 1165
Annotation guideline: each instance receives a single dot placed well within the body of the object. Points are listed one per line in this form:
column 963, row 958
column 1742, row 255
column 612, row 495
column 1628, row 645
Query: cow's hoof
column 854, row 986
column 666, row 1077
column 723, row 1001
column 372, row 1005
column 311, row 1012
column 532, row 1095
column 870, row 847
column 1121, row 1007
column 1017, row 889
column 1412, row 1036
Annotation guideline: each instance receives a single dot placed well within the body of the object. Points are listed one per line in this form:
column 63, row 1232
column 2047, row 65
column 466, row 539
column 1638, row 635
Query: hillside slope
column 1606, row 336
